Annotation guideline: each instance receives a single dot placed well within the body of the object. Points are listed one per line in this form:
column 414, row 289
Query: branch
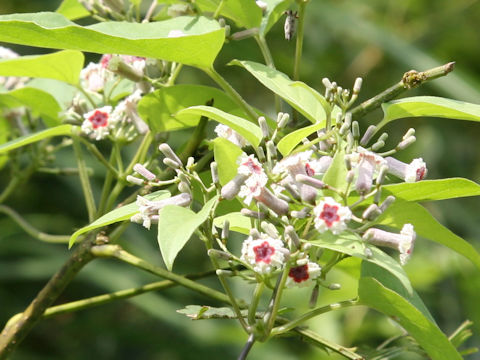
column 15, row 332
column 115, row 251
column 30, row 230
column 410, row 79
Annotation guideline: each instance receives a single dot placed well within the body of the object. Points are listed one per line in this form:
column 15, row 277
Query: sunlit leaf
column 289, row 141
column 247, row 129
column 237, row 222
column 226, row 155
column 31, row 138
column 377, row 296
column 158, row 107
column 336, row 175
column 119, row 214
column 175, row 227
column 298, row 97
column 39, row 102
column 430, row 190
column 245, row 13
column 72, row 10
column 62, row 65
column 202, row 37
column 429, row 106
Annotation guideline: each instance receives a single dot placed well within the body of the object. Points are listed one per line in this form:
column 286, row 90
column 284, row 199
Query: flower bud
column 135, row 180
column 290, row 231
column 406, row 143
column 271, row 150
column 142, row 170
column 283, row 120
column 221, row 272
column 171, row 163
column 358, row 85
column 378, row 145
column 214, row 171
column 264, row 127
column 183, row 187
column 253, row 214
column 403, row 242
column 365, row 176
column 413, row 172
column 232, row 188
column 326, row 82
column 335, row 286
column 368, row 135
column 350, row 176
column 302, row 214
column 355, row 130
column 218, row 254
column 314, row 297
column 119, row 67
column 169, row 153
column 372, row 212
column 383, row 137
column 308, row 180
column 226, row 229
column 387, row 202
column 280, row 207
column 410, row 132
column 255, row 234
column 381, row 174
column 269, row 229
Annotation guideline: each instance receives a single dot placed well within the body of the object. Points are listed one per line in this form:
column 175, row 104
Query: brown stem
column 14, row 333
column 409, row 80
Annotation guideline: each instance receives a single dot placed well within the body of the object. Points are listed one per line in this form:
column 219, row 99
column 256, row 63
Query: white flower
column 149, row 209
column 367, row 163
column 231, row 135
column 98, row 123
column 413, row 172
column 303, row 275
column 330, row 215
column 265, row 254
column 93, row 77
column 126, row 111
column 249, row 165
column 403, row 242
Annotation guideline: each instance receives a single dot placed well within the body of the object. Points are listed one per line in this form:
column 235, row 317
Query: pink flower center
column 420, row 173
column 329, row 214
column 105, row 60
column 99, row 119
column 309, row 170
column 252, row 166
column 299, row 273
column 263, row 252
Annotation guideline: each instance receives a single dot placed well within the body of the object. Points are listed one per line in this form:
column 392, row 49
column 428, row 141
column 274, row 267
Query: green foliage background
column 378, row 40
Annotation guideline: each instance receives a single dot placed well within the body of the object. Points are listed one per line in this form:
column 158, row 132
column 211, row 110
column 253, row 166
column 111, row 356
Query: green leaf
column 431, row 106
column 175, row 227
column 336, row 175
column 275, row 10
column 245, row 13
column 226, row 154
column 157, row 108
column 72, row 10
column 298, row 97
column 39, row 102
column 377, row 296
column 5, row 129
column 353, row 245
column 430, row 190
column 238, row 222
column 199, row 46
column 62, row 65
column 119, row 214
column 61, row 91
column 29, row 139
column 402, row 212
column 288, row 142
column 247, row 129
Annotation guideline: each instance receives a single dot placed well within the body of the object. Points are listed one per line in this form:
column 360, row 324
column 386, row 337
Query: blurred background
column 378, row 40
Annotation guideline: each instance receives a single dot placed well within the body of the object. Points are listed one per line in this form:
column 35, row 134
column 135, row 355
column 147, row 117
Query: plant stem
column 30, row 230
column 231, row 92
column 83, row 174
column 271, row 315
column 219, row 9
column 93, row 149
column 409, row 80
column 14, row 333
column 262, row 44
column 246, row 349
column 107, row 298
column 150, row 11
column 302, row 5
column 174, row 74
column 311, row 336
column 321, row 310
column 107, row 184
column 115, row 251
column 252, row 309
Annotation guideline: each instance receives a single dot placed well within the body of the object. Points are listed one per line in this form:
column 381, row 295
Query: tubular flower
column 330, row 215
column 231, row 135
column 403, row 242
column 98, row 122
column 126, row 111
column 94, row 76
column 413, row 172
column 149, row 209
column 265, row 254
column 249, row 165
column 366, row 162
column 303, row 275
